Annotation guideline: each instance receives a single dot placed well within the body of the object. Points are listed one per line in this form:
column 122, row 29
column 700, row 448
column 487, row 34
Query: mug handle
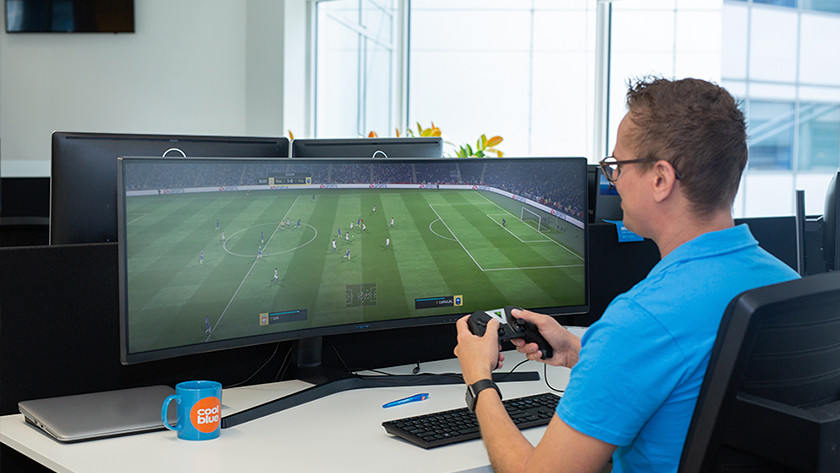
column 163, row 413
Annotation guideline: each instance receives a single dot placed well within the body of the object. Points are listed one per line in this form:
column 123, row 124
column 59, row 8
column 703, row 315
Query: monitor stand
column 329, row 381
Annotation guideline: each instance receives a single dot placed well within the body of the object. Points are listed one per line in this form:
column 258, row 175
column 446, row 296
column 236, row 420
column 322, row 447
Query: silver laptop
column 99, row 415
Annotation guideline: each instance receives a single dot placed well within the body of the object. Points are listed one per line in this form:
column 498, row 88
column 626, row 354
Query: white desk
column 341, row 432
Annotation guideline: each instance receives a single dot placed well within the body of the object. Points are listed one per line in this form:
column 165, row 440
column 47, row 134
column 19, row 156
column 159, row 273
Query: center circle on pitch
column 277, row 239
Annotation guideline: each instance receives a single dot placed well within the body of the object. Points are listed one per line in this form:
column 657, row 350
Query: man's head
column 697, row 127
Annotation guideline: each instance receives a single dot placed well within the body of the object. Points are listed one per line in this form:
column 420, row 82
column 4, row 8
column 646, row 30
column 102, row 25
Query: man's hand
column 478, row 356
column 566, row 346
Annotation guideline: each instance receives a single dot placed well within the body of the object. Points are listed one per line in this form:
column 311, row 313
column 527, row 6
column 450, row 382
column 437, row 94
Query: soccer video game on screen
column 221, row 249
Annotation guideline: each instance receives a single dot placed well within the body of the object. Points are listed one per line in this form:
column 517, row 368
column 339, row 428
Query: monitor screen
column 83, row 184
column 69, row 16
column 424, row 147
column 221, row 253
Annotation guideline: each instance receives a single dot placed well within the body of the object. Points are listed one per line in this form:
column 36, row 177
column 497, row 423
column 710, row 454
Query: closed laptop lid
column 98, row 415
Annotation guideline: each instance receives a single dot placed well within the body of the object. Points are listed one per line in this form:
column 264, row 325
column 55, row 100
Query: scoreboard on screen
column 287, row 179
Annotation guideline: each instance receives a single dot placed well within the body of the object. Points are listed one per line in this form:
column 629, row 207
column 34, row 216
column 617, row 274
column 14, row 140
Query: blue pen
column 406, row 400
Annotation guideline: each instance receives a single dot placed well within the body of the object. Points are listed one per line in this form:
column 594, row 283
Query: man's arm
column 561, row 448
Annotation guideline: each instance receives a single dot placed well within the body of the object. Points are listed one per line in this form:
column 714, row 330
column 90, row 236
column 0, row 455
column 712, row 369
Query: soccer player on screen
column 333, row 244
column 207, row 325
column 201, row 257
column 392, row 222
column 387, row 243
column 347, row 255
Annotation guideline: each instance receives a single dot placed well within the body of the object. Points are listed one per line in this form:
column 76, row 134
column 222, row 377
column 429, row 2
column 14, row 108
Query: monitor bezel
column 309, row 333
column 407, row 147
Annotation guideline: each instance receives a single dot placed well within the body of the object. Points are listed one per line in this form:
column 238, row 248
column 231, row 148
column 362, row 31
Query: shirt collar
column 709, row 244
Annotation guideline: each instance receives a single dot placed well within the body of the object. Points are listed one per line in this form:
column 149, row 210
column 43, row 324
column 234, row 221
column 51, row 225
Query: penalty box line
column 482, row 269
column 544, row 239
column 514, row 216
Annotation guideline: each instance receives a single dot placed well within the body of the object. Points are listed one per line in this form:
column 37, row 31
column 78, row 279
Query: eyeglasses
column 611, row 167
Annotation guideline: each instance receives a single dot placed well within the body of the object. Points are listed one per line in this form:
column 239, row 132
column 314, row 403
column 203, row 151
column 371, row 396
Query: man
column 637, row 372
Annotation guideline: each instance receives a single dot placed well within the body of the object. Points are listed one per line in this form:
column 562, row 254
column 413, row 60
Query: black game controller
column 509, row 327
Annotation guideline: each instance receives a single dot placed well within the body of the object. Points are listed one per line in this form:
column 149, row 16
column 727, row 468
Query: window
column 524, row 70
column 532, row 71
column 356, row 54
column 770, row 131
column 819, row 136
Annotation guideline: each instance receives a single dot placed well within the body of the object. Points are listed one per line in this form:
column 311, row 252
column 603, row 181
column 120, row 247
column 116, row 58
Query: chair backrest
column 770, row 400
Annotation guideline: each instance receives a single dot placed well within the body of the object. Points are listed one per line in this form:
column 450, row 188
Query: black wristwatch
column 477, row 387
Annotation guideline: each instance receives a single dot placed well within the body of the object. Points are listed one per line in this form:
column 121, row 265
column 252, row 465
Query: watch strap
column 474, row 389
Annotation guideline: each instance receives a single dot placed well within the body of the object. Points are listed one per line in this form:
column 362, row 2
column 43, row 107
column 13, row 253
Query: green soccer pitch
column 191, row 281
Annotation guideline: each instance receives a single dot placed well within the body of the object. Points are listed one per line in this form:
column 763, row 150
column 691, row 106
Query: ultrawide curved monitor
column 222, row 253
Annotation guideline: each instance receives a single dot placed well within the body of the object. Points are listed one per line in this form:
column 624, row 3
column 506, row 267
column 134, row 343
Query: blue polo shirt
column 641, row 365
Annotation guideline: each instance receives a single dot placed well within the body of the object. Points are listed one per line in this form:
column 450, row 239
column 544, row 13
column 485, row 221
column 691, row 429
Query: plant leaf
column 291, row 135
column 373, row 134
column 494, row 141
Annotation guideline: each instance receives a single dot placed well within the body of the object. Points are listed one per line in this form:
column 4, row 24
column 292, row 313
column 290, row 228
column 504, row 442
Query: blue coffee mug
column 199, row 410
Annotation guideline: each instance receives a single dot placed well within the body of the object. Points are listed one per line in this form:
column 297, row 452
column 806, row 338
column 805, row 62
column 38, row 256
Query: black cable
column 416, row 371
column 340, row 358
column 284, row 365
column 545, row 377
column 277, row 347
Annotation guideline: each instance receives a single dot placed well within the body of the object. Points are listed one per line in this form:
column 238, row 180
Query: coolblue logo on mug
column 199, row 410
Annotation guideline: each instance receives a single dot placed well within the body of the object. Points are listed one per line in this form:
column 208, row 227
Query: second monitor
column 424, row 147
column 83, row 193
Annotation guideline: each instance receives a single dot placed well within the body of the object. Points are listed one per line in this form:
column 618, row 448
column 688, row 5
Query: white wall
column 184, row 71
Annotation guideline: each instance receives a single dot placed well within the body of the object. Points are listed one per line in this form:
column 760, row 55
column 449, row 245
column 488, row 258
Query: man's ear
column 663, row 180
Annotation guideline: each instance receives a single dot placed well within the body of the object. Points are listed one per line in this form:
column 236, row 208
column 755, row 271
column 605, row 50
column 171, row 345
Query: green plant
column 484, row 146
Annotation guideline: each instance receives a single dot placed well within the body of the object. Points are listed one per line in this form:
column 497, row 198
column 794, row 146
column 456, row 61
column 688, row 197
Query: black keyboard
column 458, row 425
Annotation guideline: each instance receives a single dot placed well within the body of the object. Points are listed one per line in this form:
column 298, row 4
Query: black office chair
column 770, row 401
